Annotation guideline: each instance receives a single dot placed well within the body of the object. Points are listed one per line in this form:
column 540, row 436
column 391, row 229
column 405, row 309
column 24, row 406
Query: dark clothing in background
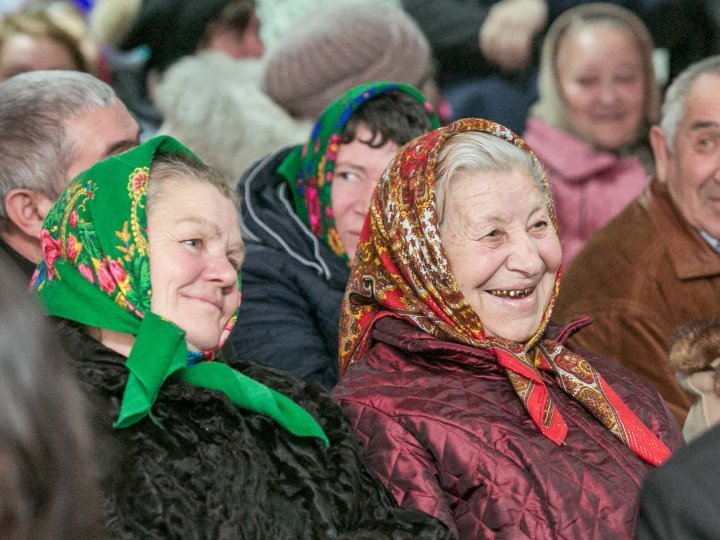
column 25, row 267
column 292, row 284
column 681, row 499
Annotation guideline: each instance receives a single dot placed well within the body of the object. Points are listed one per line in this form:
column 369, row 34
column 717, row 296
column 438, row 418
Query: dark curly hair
column 393, row 116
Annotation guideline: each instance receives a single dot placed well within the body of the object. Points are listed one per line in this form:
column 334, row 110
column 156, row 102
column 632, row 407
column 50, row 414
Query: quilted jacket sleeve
column 401, row 462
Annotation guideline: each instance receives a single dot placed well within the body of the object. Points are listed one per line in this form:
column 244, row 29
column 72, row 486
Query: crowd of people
column 389, row 269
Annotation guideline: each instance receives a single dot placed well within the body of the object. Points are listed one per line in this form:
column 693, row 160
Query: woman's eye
column 626, row 79
column 586, row 81
column 541, row 224
column 495, row 233
column 193, row 242
column 349, row 176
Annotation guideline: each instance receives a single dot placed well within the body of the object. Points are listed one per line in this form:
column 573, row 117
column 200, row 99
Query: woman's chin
column 200, row 344
column 517, row 331
column 513, row 319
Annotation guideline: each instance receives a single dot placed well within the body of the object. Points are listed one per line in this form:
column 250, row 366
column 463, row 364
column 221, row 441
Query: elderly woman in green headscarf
column 303, row 210
column 141, row 260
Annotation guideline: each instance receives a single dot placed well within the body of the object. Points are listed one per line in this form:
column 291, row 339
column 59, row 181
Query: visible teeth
column 516, row 293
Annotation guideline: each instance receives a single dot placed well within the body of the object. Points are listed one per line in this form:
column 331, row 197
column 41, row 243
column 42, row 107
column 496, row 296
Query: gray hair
column 478, row 152
column 166, row 168
column 676, row 95
column 34, row 110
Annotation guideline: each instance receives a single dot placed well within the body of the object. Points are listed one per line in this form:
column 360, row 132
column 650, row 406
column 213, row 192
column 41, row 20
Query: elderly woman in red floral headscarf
column 468, row 401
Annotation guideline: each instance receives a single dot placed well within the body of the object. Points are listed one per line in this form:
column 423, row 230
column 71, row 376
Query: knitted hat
column 335, row 47
column 171, row 28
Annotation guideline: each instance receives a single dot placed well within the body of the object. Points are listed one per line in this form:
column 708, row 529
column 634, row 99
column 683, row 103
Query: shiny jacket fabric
column 445, row 431
column 640, row 277
column 200, row 467
column 292, row 283
column 589, row 187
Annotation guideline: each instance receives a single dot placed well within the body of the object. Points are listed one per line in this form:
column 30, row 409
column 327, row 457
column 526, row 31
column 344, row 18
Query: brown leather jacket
column 639, row 277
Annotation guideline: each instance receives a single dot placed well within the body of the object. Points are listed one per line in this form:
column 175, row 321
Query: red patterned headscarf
column 401, row 270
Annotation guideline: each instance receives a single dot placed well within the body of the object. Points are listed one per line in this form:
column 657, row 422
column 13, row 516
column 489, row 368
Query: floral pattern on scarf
column 96, row 271
column 401, row 270
column 70, row 235
column 309, row 169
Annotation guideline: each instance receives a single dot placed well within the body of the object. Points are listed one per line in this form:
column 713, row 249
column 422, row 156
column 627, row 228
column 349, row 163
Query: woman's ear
column 26, row 210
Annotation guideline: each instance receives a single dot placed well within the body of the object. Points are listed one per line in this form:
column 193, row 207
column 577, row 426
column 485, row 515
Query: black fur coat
column 208, row 469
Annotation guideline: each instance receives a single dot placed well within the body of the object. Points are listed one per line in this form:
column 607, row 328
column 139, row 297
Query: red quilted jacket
column 445, row 431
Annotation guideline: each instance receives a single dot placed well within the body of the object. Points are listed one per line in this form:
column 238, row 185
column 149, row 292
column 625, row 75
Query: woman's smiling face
column 601, row 78
column 195, row 254
column 502, row 249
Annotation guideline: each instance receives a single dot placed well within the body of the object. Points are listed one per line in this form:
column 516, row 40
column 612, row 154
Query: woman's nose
column 364, row 197
column 608, row 92
column 221, row 269
column 524, row 256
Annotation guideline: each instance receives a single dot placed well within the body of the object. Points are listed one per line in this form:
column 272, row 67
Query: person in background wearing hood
column 36, row 39
column 656, row 266
column 598, row 99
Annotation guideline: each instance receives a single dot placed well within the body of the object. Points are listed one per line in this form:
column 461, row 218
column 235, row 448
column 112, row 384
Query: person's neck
column 24, row 245
column 115, row 341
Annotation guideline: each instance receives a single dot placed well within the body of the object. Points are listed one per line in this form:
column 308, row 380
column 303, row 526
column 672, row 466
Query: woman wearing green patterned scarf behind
column 141, row 259
column 303, row 209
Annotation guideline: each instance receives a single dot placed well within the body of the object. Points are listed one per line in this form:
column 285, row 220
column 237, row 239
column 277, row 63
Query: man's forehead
column 702, row 107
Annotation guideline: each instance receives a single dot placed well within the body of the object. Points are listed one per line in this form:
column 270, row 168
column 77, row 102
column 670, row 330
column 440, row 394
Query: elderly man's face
column 692, row 170
column 98, row 134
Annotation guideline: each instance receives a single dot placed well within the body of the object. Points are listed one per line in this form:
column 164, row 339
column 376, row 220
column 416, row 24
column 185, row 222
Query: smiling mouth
column 209, row 301
column 511, row 293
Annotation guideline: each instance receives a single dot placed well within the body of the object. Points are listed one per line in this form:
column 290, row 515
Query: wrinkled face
column 600, row 77
column 692, row 171
column 99, row 133
column 502, row 250
column 358, row 168
column 21, row 53
column 195, row 254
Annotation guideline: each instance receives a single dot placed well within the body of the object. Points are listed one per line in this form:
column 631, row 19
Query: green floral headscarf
column 96, row 271
column 309, row 169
